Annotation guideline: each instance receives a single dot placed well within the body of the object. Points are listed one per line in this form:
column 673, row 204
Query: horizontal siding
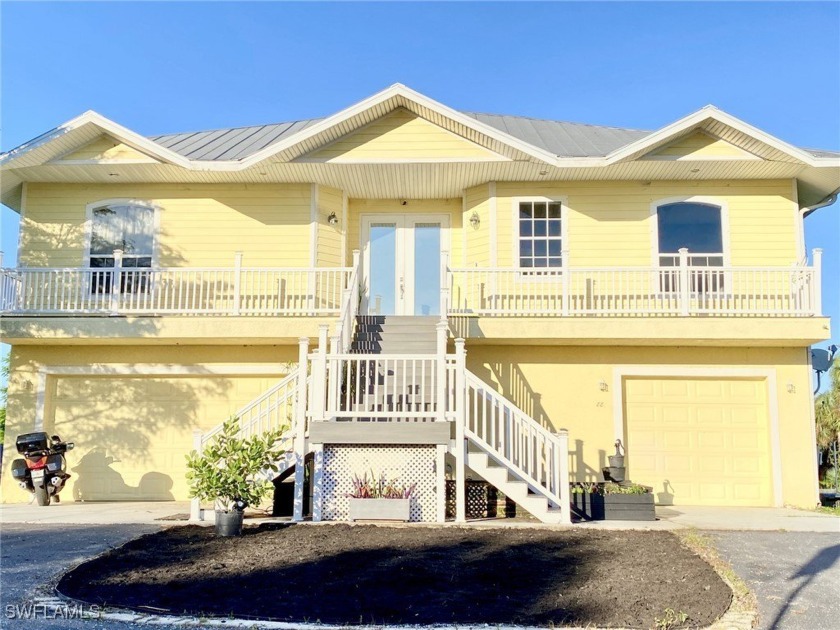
column 477, row 240
column 703, row 146
column 199, row 225
column 401, row 135
column 329, row 236
column 609, row 223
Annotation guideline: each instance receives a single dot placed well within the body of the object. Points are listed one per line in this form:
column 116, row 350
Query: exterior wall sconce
column 603, row 386
column 475, row 220
column 332, row 219
column 791, row 388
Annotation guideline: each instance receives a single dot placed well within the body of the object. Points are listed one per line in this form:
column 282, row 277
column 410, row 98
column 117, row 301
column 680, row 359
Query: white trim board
column 621, row 372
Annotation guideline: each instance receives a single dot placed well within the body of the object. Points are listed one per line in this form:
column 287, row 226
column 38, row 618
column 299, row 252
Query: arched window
column 122, row 225
column 694, row 226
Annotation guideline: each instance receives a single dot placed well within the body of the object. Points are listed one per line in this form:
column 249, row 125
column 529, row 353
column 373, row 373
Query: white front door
column 402, row 263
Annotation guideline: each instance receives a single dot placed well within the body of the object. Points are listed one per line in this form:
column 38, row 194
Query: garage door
column 132, row 434
column 699, row 441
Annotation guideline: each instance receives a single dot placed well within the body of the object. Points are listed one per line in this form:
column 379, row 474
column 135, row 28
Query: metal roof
column 560, row 138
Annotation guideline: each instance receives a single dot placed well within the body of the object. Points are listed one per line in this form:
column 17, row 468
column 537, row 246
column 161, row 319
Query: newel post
column 300, row 426
column 562, row 472
column 567, row 282
column 116, row 276
column 460, row 439
column 817, row 306
column 685, row 283
column 195, row 503
column 442, row 331
column 237, row 283
column 444, row 285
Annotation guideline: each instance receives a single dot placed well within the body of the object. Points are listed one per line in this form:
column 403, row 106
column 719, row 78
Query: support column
column 440, row 471
column 317, row 483
column 460, row 440
column 563, row 490
column 300, row 427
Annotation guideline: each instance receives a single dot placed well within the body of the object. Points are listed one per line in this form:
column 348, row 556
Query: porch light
column 602, row 385
column 332, row 219
column 475, row 220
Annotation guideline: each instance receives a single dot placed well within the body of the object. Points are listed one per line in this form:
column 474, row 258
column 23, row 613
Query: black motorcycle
column 42, row 470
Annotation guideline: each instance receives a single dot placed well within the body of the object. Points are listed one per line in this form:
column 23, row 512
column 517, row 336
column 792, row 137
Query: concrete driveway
column 795, row 576
column 105, row 513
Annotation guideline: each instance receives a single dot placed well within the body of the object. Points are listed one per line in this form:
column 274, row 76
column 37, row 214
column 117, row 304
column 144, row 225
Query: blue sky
column 167, row 67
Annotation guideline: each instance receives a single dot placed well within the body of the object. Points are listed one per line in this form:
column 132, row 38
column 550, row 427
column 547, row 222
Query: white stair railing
column 513, row 438
column 346, row 326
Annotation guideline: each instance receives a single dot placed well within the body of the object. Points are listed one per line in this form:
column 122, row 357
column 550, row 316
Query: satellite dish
column 821, row 359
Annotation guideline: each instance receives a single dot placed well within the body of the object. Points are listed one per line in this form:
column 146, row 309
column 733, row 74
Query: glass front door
column 402, row 263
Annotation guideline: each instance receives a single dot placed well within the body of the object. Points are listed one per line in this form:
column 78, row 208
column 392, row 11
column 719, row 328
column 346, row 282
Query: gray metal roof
column 564, row 139
column 560, row 138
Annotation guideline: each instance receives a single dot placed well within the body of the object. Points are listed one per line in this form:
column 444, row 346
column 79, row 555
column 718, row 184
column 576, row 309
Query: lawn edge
column 742, row 613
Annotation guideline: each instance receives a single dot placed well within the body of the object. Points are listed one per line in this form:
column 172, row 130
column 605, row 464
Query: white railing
column 183, row 291
column 381, row 386
column 346, row 326
column 679, row 291
column 271, row 411
column 537, row 455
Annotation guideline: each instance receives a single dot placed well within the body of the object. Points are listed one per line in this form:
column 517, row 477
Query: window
column 696, row 227
column 540, row 234
column 126, row 226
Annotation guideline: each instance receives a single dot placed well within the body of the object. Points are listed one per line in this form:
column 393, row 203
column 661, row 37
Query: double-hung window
column 540, row 234
column 125, row 226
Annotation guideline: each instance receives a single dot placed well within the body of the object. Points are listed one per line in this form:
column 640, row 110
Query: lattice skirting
column 407, row 463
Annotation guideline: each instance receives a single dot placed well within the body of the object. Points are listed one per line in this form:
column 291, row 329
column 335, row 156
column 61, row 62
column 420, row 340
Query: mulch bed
column 342, row 574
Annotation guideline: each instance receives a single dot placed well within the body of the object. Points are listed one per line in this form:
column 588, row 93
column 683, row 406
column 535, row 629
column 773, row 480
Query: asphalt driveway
column 33, row 556
column 795, row 576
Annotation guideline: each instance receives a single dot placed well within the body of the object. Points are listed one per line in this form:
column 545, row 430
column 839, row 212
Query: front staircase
column 396, row 369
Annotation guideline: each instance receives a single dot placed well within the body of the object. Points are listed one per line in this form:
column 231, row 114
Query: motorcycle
column 42, row 470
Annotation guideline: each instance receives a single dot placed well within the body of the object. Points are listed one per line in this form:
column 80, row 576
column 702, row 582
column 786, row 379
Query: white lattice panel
column 407, row 464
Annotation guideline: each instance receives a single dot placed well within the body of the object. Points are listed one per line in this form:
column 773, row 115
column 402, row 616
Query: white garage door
column 700, row 441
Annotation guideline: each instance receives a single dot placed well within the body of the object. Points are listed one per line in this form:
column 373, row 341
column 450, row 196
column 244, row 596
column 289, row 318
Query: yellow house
column 422, row 292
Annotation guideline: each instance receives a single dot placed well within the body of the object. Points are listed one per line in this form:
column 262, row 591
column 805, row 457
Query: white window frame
column 527, row 272
column 700, row 199
column 116, row 202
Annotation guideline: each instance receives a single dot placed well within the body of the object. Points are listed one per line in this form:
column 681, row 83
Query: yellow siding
column 477, row 247
column 106, row 148
column 199, row 225
column 329, row 236
column 703, row 146
column 449, row 207
column 125, row 428
column 559, row 387
column 610, row 223
column 401, row 135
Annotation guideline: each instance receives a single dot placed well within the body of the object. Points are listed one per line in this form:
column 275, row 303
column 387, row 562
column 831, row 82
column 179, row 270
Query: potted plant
column 613, row 502
column 233, row 473
column 379, row 499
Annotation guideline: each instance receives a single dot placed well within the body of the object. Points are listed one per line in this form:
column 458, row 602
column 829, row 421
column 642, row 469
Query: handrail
column 503, row 430
column 173, row 290
column 349, row 309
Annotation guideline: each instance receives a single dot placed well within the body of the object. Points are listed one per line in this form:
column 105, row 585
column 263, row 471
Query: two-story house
column 426, row 293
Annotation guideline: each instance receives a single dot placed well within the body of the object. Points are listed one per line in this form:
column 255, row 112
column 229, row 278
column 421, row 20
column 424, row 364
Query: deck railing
column 177, row 291
column 681, row 290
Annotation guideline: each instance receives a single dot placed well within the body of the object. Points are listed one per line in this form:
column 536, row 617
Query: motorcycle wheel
column 42, row 495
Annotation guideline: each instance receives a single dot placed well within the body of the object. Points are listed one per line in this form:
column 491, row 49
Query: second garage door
column 700, row 441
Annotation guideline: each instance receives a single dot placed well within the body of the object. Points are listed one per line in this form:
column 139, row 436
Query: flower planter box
column 380, row 509
column 613, row 507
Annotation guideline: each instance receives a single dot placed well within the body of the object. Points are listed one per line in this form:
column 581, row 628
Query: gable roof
column 532, row 147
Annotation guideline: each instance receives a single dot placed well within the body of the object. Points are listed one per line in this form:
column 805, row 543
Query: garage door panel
column 708, row 439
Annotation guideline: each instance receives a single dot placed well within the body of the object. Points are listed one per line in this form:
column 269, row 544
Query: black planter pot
column 229, row 523
column 613, row 507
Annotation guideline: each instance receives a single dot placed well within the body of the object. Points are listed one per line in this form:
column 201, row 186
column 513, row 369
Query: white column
column 440, row 471
column 442, row 329
column 317, row 483
column 237, row 283
column 685, row 283
column 563, row 492
column 817, row 305
column 300, row 427
column 196, row 513
column 116, row 275
column 319, row 376
column 460, row 441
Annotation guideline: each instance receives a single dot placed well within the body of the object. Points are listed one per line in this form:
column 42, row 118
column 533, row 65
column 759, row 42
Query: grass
column 824, row 509
column 743, row 599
